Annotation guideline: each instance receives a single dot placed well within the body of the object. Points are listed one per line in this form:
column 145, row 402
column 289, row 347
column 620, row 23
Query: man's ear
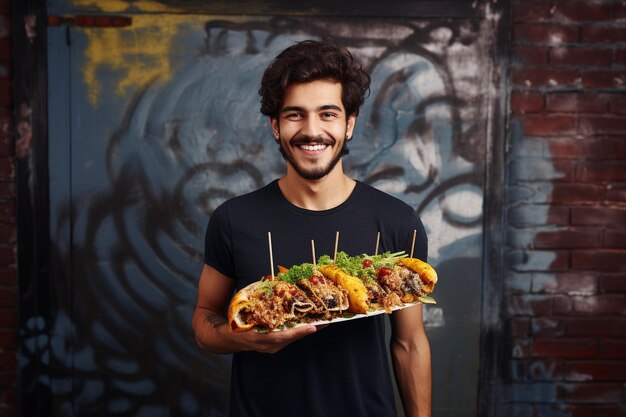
column 275, row 127
column 350, row 126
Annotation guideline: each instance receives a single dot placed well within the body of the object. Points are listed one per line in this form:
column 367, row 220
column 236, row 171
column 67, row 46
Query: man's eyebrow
column 320, row 108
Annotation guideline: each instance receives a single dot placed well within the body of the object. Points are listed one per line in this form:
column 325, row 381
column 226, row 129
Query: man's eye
column 294, row 116
column 328, row 115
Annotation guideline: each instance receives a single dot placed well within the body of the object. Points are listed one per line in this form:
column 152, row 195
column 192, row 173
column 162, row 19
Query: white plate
column 354, row 317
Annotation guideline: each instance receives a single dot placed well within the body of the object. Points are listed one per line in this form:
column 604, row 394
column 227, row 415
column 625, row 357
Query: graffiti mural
column 157, row 124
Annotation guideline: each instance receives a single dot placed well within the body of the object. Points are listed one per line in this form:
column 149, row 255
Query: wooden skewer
column 269, row 238
column 313, row 251
column 413, row 244
column 377, row 240
column 336, row 244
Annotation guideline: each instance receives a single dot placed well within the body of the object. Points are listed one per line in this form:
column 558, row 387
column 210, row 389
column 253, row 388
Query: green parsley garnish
column 296, row 272
column 353, row 265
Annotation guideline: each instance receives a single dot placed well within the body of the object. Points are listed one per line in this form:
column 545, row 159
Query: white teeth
column 313, row 147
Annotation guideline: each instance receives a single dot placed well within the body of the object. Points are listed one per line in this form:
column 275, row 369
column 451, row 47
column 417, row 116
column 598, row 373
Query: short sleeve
column 218, row 252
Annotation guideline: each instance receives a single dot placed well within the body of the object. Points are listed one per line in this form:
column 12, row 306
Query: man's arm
column 210, row 323
column 410, row 354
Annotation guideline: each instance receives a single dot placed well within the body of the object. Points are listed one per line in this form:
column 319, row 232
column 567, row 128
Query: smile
column 316, row 147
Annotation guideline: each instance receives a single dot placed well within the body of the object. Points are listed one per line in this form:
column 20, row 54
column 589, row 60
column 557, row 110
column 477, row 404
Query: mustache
column 302, row 140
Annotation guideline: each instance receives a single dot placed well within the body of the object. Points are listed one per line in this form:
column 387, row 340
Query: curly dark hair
column 308, row 61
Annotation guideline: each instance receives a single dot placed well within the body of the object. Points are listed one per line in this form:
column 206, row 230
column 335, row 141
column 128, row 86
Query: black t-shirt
column 342, row 370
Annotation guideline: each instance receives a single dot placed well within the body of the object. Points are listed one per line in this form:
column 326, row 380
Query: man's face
column 312, row 127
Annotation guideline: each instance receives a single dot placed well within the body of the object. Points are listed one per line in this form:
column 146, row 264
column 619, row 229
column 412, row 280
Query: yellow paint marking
column 117, row 6
column 138, row 53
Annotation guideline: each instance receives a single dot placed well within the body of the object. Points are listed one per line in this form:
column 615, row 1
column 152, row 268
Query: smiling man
column 312, row 93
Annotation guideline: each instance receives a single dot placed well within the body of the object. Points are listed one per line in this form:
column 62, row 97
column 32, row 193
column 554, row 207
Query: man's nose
column 312, row 127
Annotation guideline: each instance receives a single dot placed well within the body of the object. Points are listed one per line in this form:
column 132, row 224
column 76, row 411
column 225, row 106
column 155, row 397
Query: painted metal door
column 154, row 124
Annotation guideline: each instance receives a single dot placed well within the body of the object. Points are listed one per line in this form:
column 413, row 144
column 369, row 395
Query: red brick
column 596, row 147
column 600, row 125
column 567, row 169
column 590, row 393
column 558, row 215
column 620, row 57
column 595, row 371
column 545, row 33
column 581, row 56
column 526, row 102
column 6, row 168
column 616, row 193
column 612, row 410
column 7, row 68
column 7, row 146
column 8, row 340
column 606, row 171
column 7, row 297
column 7, row 256
column 576, row 193
column 577, row 102
column 8, row 401
column 8, row 319
column 8, row 360
column 603, row 79
column 8, row 276
column 560, row 262
column 530, row 55
column 548, row 327
column 599, row 260
column 612, row 283
column 615, row 239
column 613, row 348
column 532, row 11
column 547, row 77
column 529, row 305
column 562, row 305
column 602, row 34
column 519, row 327
column 611, row 304
column 565, row 348
column 5, row 48
column 7, row 233
column 551, row 125
column 568, row 238
column 7, row 191
column 598, row 216
column 592, row 327
column 7, row 211
column 617, row 103
column 584, row 11
column 564, row 283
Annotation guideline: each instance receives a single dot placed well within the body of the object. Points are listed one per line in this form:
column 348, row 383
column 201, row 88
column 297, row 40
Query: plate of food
column 332, row 290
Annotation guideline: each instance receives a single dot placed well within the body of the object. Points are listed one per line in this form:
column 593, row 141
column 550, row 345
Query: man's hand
column 272, row 342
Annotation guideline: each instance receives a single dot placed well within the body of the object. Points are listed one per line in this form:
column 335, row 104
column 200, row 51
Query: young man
column 312, row 93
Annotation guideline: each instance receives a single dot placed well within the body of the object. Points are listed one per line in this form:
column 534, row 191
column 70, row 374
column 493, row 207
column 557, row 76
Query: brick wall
column 8, row 280
column 564, row 301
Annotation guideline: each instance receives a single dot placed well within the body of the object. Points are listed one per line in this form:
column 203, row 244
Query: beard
column 317, row 172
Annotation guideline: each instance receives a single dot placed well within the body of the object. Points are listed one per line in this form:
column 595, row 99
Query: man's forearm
column 212, row 332
column 412, row 367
